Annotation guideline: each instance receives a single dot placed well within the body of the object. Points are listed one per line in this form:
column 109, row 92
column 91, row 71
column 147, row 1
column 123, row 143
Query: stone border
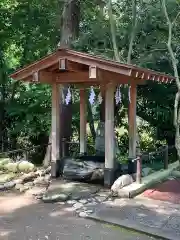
column 135, row 189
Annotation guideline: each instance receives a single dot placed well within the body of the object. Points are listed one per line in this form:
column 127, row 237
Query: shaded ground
column 167, row 191
column 22, row 218
column 149, row 216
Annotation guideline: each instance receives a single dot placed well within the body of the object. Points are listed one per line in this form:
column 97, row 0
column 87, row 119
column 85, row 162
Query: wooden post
column 109, row 135
column 132, row 127
column 83, row 119
column 102, row 106
column 55, row 125
column 139, row 169
column 166, row 157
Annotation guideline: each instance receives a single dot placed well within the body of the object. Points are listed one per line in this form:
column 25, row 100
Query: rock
column 23, row 189
column 77, row 206
column 48, row 170
column 36, row 191
column 11, row 167
column 26, row 167
column 133, row 176
column 6, row 177
column 18, row 181
column 47, row 177
column 100, row 199
column 71, row 202
column 38, row 197
column 100, row 140
column 55, row 198
column 83, row 201
column 80, row 169
column 3, row 162
column 2, row 187
column 40, row 181
column 83, row 214
column 90, row 204
column 105, row 193
column 98, row 174
column 9, row 185
column 29, row 176
column 40, row 173
column 29, row 184
column 121, row 182
column 60, row 203
column 18, row 186
column 146, row 171
column 89, row 211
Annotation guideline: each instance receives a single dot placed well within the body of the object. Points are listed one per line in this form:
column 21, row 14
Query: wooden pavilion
column 83, row 70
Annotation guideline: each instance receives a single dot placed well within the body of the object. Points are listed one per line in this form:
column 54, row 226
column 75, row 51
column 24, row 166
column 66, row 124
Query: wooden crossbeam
column 94, row 76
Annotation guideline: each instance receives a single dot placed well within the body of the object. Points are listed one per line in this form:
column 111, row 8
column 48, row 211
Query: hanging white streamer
column 100, row 99
column 92, row 96
column 118, row 95
column 72, row 96
column 63, row 98
column 68, row 97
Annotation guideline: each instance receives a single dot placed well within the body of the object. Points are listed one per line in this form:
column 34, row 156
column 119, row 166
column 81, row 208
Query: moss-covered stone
column 6, row 177
column 3, row 162
column 11, row 167
column 26, row 167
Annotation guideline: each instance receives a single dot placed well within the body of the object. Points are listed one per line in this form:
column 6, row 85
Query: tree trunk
column 69, row 32
column 175, row 68
column 3, row 78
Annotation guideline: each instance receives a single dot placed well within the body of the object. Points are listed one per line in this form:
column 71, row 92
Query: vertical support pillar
column 102, row 106
column 132, row 128
column 109, row 135
column 83, row 120
column 55, row 128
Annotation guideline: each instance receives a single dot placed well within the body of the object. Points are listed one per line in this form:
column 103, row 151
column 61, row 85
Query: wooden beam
column 83, row 120
column 132, row 121
column 95, row 76
column 73, row 77
column 55, row 129
column 36, row 66
column 109, row 135
column 102, row 106
column 99, row 64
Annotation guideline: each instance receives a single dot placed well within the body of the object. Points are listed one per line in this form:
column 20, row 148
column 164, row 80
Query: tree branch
column 113, row 31
column 133, row 30
column 169, row 45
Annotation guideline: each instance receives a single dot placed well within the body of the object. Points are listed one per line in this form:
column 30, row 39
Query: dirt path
column 22, row 218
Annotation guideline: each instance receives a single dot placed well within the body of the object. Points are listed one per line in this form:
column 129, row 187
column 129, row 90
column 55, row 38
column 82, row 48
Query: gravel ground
column 23, row 218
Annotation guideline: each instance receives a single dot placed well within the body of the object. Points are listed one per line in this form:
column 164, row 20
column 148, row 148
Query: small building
column 82, row 70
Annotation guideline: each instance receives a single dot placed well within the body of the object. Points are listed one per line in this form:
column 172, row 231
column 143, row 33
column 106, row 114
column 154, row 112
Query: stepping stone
column 55, row 198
